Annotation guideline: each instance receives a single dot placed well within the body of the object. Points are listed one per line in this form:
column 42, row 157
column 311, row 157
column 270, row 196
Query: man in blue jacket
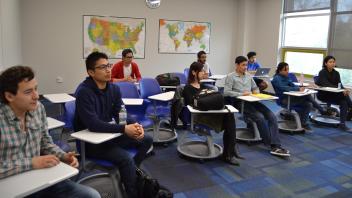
column 98, row 102
column 282, row 83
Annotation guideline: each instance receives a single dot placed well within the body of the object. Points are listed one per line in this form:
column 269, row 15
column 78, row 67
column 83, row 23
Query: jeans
column 66, row 189
column 337, row 98
column 229, row 136
column 304, row 105
column 265, row 120
column 115, row 152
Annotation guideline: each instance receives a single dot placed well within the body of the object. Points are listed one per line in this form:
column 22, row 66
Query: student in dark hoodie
column 97, row 102
column 329, row 77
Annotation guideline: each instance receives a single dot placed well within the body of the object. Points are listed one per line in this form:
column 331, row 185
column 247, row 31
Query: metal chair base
column 199, row 150
column 325, row 120
column 247, row 135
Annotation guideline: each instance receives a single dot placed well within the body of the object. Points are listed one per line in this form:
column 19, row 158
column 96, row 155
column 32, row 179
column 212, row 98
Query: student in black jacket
column 218, row 122
column 329, row 77
column 97, row 102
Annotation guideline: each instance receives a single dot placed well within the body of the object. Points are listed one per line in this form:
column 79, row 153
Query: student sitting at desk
column 329, row 77
column 97, row 102
column 24, row 140
column 283, row 83
column 240, row 83
column 252, row 67
column 202, row 58
column 126, row 70
column 218, row 122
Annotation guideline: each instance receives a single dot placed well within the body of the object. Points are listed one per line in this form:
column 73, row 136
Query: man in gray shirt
column 240, row 83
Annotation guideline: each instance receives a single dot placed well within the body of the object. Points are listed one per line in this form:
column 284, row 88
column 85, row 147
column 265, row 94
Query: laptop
column 262, row 72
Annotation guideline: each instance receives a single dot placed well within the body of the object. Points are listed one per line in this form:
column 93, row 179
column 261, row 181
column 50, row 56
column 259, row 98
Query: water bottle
column 339, row 86
column 123, row 115
column 301, row 78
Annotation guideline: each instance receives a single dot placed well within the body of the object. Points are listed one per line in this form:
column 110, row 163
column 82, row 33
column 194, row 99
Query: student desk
column 60, row 98
column 29, row 182
column 164, row 135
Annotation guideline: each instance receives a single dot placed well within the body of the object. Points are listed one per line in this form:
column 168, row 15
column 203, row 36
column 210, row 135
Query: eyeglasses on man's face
column 129, row 57
column 102, row 67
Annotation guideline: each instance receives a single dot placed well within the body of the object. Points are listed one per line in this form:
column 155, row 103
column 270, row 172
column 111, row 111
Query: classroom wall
column 52, row 36
column 10, row 33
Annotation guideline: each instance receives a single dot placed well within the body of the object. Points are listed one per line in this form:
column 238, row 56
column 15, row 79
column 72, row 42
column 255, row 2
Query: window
column 315, row 28
column 307, row 62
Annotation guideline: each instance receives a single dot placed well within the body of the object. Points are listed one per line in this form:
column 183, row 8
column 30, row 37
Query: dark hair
column 93, row 58
column 251, row 54
column 196, row 67
column 126, row 51
column 280, row 67
column 240, row 59
column 11, row 77
column 200, row 53
column 326, row 59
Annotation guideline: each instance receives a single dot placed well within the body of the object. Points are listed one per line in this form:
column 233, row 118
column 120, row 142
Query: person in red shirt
column 126, row 70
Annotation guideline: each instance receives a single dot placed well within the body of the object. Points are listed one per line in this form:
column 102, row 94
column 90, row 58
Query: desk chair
column 197, row 149
column 159, row 111
column 249, row 134
column 289, row 118
column 325, row 119
column 293, row 77
column 186, row 72
column 181, row 76
column 108, row 168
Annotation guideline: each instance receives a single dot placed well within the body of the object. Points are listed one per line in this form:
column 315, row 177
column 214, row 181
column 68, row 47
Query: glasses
column 129, row 57
column 106, row 67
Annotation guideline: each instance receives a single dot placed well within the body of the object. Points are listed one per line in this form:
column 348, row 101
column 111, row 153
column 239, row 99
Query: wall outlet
column 59, row 79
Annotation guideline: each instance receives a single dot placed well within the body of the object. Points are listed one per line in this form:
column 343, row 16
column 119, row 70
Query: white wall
column 52, row 36
column 10, row 33
column 265, row 35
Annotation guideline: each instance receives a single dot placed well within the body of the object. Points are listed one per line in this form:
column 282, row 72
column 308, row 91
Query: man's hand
column 346, row 92
column 70, row 159
column 301, row 89
column 130, row 79
column 45, row 161
column 247, row 93
column 134, row 131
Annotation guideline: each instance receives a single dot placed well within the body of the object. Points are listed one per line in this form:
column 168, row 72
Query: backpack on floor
column 150, row 188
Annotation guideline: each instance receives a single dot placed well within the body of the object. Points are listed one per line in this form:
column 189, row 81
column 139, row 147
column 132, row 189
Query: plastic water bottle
column 339, row 86
column 301, row 78
column 123, row 115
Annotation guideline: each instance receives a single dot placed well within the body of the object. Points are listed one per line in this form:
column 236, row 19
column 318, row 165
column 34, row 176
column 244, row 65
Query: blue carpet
column 320, row 166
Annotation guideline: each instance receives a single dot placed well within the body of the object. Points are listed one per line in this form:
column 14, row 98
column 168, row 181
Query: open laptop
column 262, row 72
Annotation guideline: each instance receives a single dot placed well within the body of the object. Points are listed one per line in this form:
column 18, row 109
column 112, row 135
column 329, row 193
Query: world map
column 183, row 37
column 113, row 34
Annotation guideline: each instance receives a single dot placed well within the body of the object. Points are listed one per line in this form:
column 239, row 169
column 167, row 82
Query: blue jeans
column 265, row 120
column 66, row 189
column 115, row 152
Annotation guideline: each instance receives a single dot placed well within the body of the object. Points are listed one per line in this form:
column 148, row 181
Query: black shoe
column 345, row 128
column 280, row 152
column 231, row 160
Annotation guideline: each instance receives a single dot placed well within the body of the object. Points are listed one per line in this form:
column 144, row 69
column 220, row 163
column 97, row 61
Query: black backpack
column 168, row 79
column 207, row 99
column 150, row 188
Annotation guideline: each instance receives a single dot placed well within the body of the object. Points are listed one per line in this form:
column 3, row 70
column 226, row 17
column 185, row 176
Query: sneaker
column 280, row 152
column 307, row 128
column 231, row 160
column 345, row 128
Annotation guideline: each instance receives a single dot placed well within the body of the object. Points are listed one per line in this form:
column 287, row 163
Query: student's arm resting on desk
column 13, row 167
column 85, row 107
column 254, row 87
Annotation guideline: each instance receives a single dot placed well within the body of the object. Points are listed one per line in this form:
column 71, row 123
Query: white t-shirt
column 127, row 70
column 206, row 67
